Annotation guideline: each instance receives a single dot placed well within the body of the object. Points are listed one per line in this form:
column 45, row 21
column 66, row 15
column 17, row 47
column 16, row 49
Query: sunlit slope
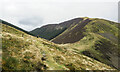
column 100, row 42
column 25, row 52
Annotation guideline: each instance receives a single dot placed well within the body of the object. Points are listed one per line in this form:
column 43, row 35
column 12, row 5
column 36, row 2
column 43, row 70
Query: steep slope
column 73, row 34
column 21, row 51
column 99, row 41
column 52, row 30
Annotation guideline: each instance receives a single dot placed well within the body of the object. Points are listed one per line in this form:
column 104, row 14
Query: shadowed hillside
column 21, row 51
column 73, row 34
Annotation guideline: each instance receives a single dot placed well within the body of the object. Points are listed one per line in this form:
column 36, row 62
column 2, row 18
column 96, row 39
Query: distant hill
column 50, row 31
column 23, row 52
column 93, row 37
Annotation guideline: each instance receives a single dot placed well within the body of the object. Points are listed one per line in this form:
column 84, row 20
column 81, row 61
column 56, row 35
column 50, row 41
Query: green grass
column 102, row 26
column 24, row 52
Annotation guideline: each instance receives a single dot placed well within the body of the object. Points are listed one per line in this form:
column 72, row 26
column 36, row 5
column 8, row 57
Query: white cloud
column 55, row 11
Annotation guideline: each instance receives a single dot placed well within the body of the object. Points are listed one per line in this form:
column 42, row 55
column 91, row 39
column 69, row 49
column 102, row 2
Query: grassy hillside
column 99, row 41
column 21, row 51
column 74, row 33
column 4, row 22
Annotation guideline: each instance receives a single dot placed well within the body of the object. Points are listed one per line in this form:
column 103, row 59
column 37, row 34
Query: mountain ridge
column 93, row 37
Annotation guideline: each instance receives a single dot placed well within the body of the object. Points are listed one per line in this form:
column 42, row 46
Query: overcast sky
column 30, row 14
